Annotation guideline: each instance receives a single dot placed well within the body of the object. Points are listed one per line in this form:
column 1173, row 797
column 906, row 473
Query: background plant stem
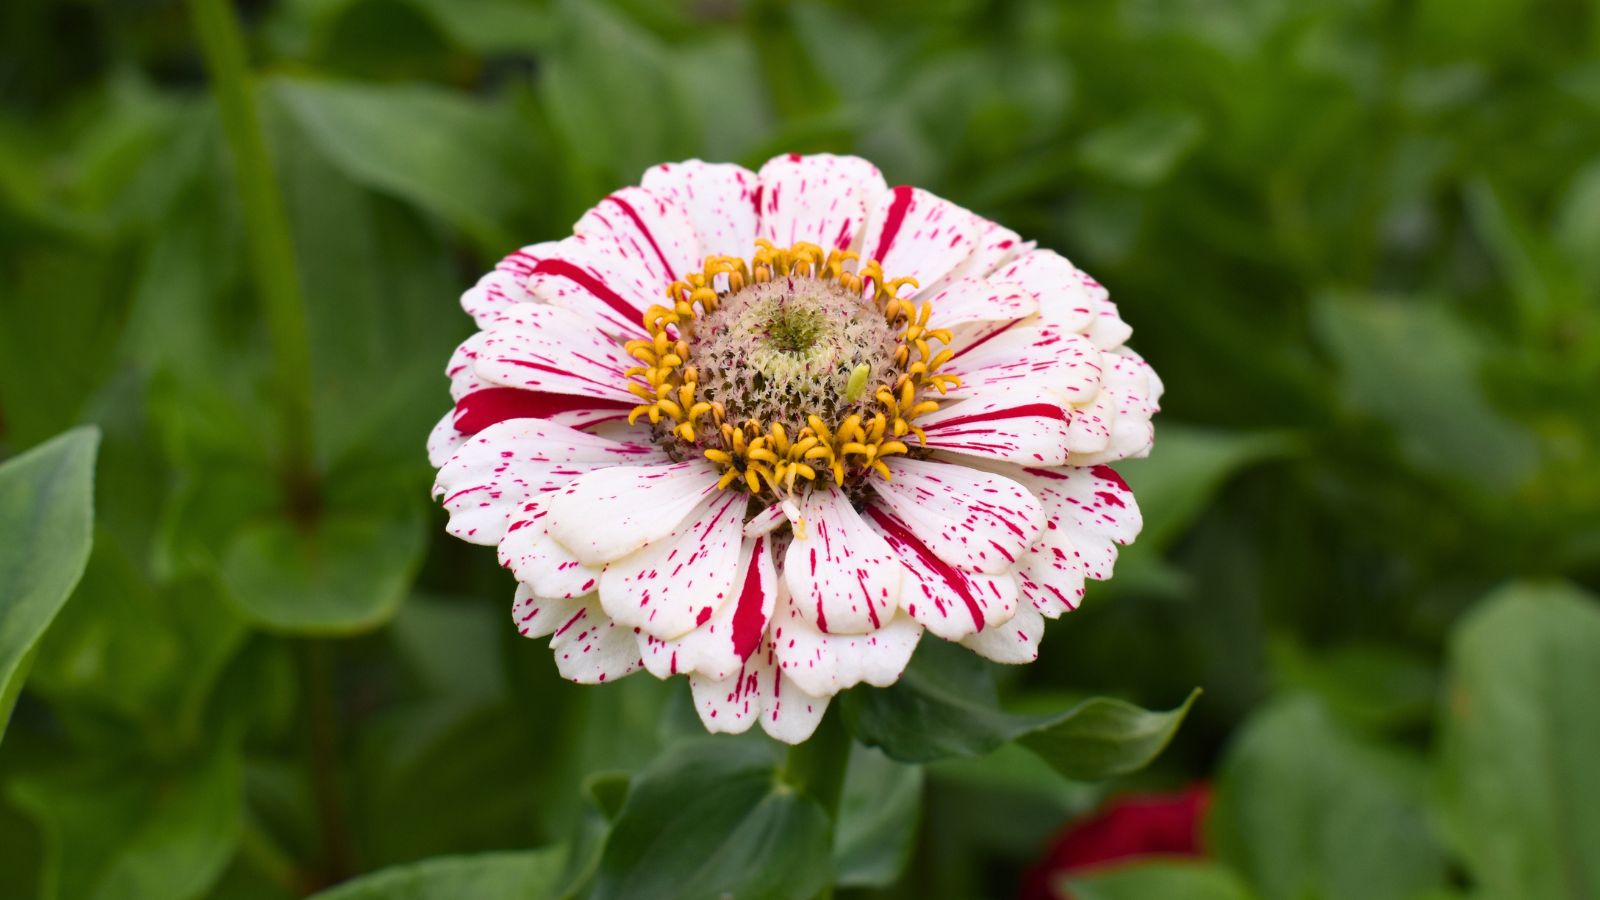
column 322, row 753
column 272, row 257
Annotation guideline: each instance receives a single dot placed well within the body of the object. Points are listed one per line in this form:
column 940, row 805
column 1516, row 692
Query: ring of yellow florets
column 758, row 452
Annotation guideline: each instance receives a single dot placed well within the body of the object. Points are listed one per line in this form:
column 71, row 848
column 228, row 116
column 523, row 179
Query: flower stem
column 272, row 258
column 817, row 767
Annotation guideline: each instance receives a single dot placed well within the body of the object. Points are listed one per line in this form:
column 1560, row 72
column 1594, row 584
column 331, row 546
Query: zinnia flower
column 1123, row 830
column 764, row 429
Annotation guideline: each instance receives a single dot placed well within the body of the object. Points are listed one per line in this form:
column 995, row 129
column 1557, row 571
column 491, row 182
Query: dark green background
column 1359, row 240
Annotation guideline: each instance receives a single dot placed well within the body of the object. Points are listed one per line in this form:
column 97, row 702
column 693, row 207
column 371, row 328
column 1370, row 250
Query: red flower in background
column 1125, row 828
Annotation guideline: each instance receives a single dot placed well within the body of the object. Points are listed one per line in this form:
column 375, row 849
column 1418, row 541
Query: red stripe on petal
column 892, row 221
column 644, row 229
column 491, row 406
column 898, row 531
column 1025, row 411
column 748, row 624
column 1106, row 473
column 563, row 269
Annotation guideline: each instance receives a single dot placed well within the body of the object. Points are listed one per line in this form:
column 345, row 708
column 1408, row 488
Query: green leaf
column 463, row 160
column 1305, row 809
column 1367, row 683
column 1164, row 880
column 1142, row 150
column 526, row 875
column 945, row 705
column 1521, row 733
column 613, row 99
column 1434, row 401
column 133, row 829
column 46, row 526
column 711, row 818
column 1186, row 470
column 1577, row 228
column 345, row 573
column 878, row 815
column 1102, row 737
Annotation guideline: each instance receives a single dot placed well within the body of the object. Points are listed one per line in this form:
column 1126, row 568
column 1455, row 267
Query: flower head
column 764, row 429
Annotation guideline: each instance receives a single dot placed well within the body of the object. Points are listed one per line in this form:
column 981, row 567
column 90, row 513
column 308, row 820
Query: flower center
column 790, row 368
column 781, row 351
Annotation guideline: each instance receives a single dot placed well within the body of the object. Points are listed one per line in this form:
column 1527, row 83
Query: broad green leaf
column 1577, row 229
column 1521, row 733
column 525, row 875
column 1184, row 472
column 1142, row 150
column 945, row 705
column 455, row 157
column 46, row 526
column 145, row 653
column 613, row 100
column 711, row 818
column 118, row 829
column 420, row 789
column 1434, row 401
column 1367, row 683
column 380, row 293
column 876, row 829
column 1305, row 809
column 1161, row 880
column 347, row 572
column 490, row 26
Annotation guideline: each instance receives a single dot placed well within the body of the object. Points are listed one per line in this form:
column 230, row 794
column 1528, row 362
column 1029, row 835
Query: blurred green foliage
column 1360, row 240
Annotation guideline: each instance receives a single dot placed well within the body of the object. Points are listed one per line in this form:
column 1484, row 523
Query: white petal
column 843, row 576
column 1067, row 297
column 1029, row 356
column 790, row 714
column 646, row 228
column 609, row 513
column 1051, row 576
column 975, row 300
column 721, row 646
column 972, row 519
column 495, row 476
column 821, row 199
column 997, row 247
column 915, row 234
column 761, row 691
column 1029, row 428
column 537, row 617
column 1108, row 331
column 824, row 664
column 1134, row 391
column 545, row 348
column 671, row 585
column 591, row 649
column 1015, row 642
column 503, row 287
column 538, row 561
column 720, row 199
column 1091, row 424
column 950, row 602
column 444, row 440
column 1092, row 507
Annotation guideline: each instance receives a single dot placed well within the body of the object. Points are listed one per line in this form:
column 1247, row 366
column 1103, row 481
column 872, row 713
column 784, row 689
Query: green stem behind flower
column 272, row 259
column 817, row 768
